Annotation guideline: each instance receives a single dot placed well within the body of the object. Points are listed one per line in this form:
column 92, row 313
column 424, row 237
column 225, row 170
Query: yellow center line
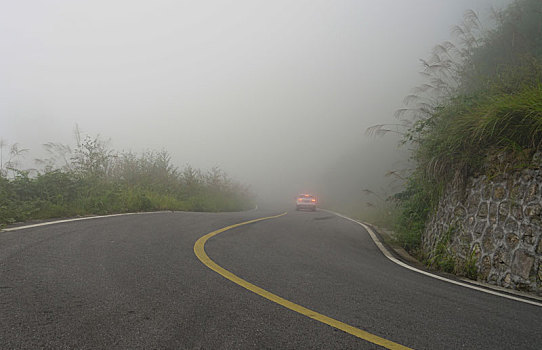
column 199, row 250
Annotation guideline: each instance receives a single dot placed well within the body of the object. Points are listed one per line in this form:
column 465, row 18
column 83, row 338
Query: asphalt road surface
column 134, row 282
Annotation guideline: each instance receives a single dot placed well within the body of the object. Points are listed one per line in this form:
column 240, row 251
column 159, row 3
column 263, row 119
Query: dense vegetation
column 93, row 179
column 482, row 100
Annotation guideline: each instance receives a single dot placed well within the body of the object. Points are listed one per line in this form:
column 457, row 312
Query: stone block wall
column 497, row 223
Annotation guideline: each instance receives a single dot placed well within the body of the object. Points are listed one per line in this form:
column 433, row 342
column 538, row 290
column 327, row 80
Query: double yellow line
column 199, row 250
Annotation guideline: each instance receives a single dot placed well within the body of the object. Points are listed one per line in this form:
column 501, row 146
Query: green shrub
column 469, row 269
column 418, row 201
column 100, row 181
column 483, row 97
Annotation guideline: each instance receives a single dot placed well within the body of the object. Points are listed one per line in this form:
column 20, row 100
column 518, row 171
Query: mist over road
column 134, row 282
column 251, row 87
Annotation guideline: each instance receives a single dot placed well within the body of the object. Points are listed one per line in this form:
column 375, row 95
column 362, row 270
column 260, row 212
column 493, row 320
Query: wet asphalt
column 134, row 282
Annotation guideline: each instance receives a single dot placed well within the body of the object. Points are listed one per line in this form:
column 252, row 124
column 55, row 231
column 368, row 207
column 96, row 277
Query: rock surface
column 497, row 223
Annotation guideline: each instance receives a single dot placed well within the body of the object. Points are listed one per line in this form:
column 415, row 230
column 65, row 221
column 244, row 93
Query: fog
column 276, row 93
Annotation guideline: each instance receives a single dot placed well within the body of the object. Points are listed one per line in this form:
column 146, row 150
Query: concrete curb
column 405, row 260
column 409, row 259
column 56, row 221
column 38, row 223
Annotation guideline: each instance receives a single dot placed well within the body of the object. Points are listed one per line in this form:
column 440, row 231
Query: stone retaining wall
column 495, row 223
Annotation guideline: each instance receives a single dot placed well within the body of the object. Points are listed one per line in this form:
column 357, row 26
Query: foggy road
column 130, row 282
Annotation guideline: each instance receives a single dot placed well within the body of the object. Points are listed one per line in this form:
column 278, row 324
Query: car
column 306, row 201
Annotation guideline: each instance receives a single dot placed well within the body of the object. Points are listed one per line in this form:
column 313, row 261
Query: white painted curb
column 95, row 217
column 76, row 219
column 388, row 255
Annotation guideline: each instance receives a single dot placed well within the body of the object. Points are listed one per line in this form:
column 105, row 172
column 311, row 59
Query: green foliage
column 380, row 215
column 441, row 258
column 94, row 179
column 482, row 99
column 507, row 56
column 469, row 268
column 465, row 131
column 417, row 200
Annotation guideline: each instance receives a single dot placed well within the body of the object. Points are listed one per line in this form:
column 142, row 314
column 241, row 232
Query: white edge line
column 75, row 219
column 399, row 262
column 89, row 218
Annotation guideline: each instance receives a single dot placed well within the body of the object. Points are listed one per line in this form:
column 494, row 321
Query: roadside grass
column 479, row 112
column 96, row 180
column 380, row 216
column 106, row 199
column 467, row 130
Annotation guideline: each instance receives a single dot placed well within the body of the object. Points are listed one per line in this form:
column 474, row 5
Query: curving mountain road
column 134, row 282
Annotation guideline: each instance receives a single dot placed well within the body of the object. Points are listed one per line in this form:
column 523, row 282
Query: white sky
column 263, row 89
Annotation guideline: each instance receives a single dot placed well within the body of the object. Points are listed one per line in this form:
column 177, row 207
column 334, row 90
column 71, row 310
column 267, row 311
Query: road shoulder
column 401, row 257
